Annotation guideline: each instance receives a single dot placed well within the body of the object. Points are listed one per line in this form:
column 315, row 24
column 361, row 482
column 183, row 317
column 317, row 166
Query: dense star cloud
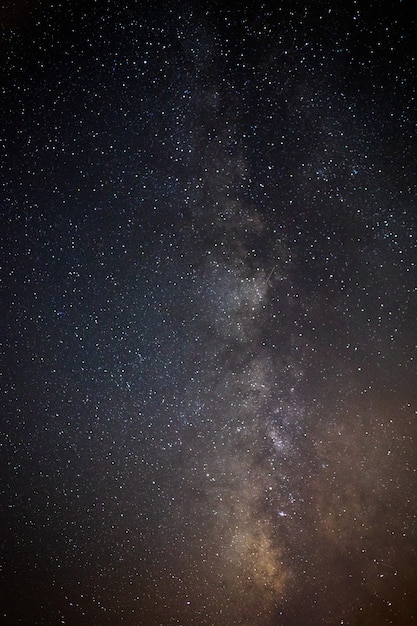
column 209, row 290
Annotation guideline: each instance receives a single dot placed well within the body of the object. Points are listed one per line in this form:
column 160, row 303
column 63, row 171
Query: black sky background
column 208, row 265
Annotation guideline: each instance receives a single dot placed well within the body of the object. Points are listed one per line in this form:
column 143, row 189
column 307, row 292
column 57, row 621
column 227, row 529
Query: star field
column 208, row 265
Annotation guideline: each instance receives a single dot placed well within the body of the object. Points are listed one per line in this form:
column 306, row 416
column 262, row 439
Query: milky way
column 209, row 296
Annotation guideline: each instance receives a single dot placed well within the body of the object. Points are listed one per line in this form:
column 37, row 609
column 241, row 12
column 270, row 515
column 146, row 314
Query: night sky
column 208, row 220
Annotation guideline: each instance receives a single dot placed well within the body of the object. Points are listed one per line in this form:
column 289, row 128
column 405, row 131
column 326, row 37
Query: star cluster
column 209, row 291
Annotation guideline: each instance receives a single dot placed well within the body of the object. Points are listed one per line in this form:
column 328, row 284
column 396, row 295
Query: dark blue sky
column 208, row 259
